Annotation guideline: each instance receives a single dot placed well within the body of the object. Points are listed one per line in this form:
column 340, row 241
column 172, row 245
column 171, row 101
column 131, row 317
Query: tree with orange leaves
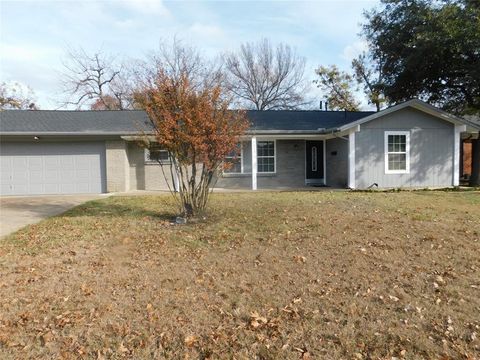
column 195, row 125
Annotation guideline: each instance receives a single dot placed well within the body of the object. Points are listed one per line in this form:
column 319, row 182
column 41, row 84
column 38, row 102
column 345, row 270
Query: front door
column 314, row 162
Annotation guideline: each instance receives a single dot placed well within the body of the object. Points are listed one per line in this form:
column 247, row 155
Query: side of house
column 407, row 148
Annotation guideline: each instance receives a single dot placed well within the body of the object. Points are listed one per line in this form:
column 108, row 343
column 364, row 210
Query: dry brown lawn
column 266, row 276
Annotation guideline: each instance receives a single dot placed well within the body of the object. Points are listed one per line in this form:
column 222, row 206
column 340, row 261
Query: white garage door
column 52, row 168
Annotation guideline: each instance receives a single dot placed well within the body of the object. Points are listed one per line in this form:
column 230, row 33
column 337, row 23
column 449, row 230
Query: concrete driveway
column 19, row 211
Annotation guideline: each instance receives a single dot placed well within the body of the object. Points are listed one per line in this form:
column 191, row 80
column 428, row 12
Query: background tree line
column 416, row 48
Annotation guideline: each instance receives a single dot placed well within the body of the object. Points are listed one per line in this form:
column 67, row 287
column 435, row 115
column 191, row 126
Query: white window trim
column 274, row 156
column 149, row 161
column 407, row 152
column 241, row 163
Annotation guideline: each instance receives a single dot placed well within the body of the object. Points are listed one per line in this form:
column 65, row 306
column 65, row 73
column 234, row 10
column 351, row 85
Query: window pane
column 397, row 162
column 266, row 164
column 234, row 165
column 157, row 154
column 265, row 148
column 233, row 160
column 397, row 143
column 237, row 152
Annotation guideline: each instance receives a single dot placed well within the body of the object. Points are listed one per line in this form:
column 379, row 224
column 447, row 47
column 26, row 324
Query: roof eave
column 70, row 133
column 287, row 132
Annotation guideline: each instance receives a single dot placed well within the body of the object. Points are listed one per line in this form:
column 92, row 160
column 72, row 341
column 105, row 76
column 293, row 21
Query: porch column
column 254, row 163
column 176, row 186
column 458, row 129
column 351, row 160
column 351, row 157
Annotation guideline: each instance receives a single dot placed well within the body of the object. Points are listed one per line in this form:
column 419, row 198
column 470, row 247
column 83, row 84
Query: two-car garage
column 35, row 168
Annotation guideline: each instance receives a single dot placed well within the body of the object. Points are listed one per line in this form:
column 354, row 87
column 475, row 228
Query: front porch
column 289, row 162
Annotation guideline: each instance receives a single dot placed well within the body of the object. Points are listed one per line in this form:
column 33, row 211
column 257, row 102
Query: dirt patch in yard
column 267, row 276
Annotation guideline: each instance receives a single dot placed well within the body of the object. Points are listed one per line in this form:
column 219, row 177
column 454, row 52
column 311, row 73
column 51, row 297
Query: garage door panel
column 5, row 189
column 51, row 176
column 20, row 189
column 36, row 177
column 5, row 175
column 19, row 177
column 35, row 163
column 67, row 162
column 68, row 176
column 84, row 162
column 51, row 189
column 36, row 189
column 52, row 168
column 83, row 188
column 5, row 164
column 51, row 162
column 83, row 175
column 68, row 189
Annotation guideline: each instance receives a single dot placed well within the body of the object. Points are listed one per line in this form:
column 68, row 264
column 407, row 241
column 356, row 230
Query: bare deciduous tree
column 178, row 60
column 95, row 80
column 265, row 78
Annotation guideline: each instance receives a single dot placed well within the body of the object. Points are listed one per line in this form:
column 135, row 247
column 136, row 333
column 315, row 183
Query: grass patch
column 266, row 275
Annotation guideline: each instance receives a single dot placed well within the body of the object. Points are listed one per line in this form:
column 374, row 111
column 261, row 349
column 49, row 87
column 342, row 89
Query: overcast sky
column 35, row 34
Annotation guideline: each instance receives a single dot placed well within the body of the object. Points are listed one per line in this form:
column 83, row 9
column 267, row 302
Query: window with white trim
column 234, row 161
column 397, row 152
column 155, row 154
column 266, row 156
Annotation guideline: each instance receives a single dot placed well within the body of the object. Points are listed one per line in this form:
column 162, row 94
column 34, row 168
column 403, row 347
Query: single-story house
column 412, row 144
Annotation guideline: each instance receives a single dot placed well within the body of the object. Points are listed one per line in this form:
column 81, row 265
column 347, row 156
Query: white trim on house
column 406, row 152
column 457, row 131
column 351, row 160
column 274, row 156
column 254, row 163
column 242, row 158
column 176, row 180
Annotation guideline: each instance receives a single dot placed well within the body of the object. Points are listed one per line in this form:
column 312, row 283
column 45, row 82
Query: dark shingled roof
column 81, row 122
column 134, row 121
column 302, row 120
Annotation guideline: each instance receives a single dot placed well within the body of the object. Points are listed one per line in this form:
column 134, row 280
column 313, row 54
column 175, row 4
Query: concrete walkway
column 19, row 211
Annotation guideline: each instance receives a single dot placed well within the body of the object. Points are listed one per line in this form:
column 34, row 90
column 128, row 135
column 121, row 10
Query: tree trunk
column 475, row 176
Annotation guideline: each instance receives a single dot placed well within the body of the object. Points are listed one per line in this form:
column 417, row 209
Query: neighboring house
column 466, row 164
column 408, row 145
column 466, row 151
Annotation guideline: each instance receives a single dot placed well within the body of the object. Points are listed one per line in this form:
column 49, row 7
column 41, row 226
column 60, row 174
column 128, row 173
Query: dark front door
column 314, row 161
